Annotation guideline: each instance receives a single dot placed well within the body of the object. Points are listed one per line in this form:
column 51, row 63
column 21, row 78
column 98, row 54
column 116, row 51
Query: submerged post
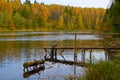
column 52, row 52
column 75, row 53
column 75, row 58
column 83, row 55
column 55, row 54
column 90, row 55
column 106, row 54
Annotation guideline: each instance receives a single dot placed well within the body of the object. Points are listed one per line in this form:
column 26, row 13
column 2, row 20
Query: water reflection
column 17, row 48
column 57, row 71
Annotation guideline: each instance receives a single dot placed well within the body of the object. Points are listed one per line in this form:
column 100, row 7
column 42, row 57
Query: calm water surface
column 19, row 47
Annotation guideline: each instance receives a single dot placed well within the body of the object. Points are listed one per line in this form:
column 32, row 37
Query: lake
column 19, row 47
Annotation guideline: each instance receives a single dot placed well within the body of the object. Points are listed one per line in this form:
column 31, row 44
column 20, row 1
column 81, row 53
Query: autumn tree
column 61, row 22
column 40, row 13
column 6, row 12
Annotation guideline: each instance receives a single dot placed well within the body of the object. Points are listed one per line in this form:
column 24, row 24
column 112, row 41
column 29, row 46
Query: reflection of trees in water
column 80, row 43
column 18, row 49
column 14, row 50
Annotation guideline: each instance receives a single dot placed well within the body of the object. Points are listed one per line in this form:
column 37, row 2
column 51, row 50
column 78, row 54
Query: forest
column 15, row 15
column 112, row 16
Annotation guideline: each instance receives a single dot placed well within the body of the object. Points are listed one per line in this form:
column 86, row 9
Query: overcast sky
column 77, row 3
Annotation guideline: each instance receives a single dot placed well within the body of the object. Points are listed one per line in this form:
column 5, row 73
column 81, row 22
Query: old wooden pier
column 83, row 50
column 54, row 49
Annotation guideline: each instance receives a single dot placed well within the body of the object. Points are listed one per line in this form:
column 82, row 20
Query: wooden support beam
column 83, row 55
column 62, row 55
column 75, row 53
column 68, row 62
column 45, row 50
column 90, row 55
column 55, row 54
column 86, row 48
column 75, row 58
column 62, row 51
column 52, row 53
column 106, row 54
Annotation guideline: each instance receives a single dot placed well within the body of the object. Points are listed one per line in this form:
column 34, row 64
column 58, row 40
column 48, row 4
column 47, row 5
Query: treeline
column 37, row 16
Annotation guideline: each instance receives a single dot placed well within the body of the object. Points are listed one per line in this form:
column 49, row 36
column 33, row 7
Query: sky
column 77, row 3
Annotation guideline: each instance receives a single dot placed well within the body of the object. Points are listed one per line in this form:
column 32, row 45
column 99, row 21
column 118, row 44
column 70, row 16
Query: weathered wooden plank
column 33, row 64
column 84, row 48
column 82, row 64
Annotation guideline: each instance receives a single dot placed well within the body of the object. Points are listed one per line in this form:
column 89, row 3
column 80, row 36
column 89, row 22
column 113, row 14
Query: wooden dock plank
column 115, row 48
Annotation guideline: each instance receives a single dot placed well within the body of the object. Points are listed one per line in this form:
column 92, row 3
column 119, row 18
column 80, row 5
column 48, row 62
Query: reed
column 103, row 71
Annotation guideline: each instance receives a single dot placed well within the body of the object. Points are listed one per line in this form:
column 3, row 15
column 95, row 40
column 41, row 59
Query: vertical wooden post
column 106, row 54
column 83, row 55
column 90, row 55
column 52, row 52
column 75, row 53
column 75, row 58
column 55, row 54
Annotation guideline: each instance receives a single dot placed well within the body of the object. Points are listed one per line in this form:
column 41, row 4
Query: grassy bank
column 101, row 71
column 104, row 71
